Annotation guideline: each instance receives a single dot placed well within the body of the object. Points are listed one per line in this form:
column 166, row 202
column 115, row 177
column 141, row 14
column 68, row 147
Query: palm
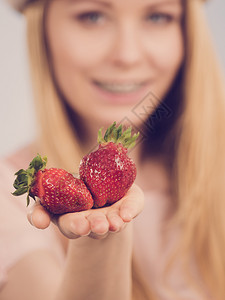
column 96, row 223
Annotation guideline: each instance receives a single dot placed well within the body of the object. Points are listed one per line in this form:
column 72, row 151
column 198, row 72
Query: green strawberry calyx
column 26, row 178
column 118, row 136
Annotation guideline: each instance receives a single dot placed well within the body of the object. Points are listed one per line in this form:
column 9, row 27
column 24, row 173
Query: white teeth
column 120, row 88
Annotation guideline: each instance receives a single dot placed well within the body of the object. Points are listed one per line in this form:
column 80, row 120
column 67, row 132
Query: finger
column 132, row 204
column 115, row 221
column 74, row 225
column 102, row 236
column 38, row 216
column 98, row 222
column 96, row 236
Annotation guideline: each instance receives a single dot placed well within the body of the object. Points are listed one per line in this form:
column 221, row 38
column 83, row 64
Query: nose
column 127, row 51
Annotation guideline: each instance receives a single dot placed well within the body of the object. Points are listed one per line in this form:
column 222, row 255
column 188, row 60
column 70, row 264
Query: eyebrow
column 108, row 4
column 91, row 1
column 165, row 2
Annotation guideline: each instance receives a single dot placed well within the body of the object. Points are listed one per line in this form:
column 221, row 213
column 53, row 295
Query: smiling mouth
column 120, row 88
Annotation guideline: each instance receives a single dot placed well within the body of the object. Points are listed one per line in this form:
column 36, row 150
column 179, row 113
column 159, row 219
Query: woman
column 150, row 64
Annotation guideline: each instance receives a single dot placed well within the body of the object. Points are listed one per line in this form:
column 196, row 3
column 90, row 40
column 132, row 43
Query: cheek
column 166, row 51
column 80, row 51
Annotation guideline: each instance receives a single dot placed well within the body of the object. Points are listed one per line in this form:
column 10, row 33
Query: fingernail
column 31, row 220
column 83, row 235
column 126, row 216
column 114, row 231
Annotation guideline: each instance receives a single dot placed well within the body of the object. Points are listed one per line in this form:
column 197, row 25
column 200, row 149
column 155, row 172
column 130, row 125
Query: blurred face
column 108, row 54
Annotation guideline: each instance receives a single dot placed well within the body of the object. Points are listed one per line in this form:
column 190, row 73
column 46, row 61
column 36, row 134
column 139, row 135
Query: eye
column 92, row 17
column 160, row 18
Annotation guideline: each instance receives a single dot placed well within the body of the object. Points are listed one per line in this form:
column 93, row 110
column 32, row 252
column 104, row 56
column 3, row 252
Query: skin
column 113, row 42
column 120, row 26
column 94, row 223
column 138, row 41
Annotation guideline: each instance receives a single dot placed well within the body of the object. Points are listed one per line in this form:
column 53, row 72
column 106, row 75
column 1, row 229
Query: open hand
column 95, row 223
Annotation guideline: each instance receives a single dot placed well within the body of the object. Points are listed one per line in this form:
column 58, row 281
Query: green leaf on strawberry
column 108, row 172
column 59, row 191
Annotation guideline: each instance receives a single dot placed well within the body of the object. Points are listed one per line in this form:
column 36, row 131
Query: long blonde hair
column 199, row 163
column 200, row 159
column 55, row 138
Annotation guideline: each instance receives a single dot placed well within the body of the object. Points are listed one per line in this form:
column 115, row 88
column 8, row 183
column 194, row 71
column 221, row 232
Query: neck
column 88, row 136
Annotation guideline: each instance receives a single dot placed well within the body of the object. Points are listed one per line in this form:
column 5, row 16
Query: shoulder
column 21, row 158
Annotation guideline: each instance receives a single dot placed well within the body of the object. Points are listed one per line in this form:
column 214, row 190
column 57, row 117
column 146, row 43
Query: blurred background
column 17, row 125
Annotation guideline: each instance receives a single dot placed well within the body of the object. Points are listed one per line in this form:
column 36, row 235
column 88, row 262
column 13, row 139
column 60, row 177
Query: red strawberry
column 108, row 172
column 59, row 191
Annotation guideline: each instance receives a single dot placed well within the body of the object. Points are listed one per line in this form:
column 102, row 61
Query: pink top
column 18, row 238
column 151, row 253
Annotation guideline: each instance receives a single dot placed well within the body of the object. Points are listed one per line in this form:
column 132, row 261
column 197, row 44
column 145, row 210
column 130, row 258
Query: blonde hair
column 200, row 159
column 199, row 162
column 56, row 137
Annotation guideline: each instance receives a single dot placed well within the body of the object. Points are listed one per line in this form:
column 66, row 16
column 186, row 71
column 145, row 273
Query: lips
column 120, row 88
column 121, row 92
